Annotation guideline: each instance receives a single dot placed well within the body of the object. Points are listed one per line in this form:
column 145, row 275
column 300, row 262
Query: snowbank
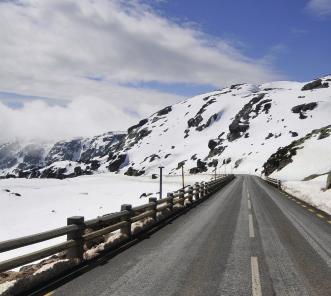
column 311, row 192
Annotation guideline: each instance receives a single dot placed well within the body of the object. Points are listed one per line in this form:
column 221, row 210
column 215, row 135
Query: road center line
column 256, row 283
column 249, row 204
column 250, row 226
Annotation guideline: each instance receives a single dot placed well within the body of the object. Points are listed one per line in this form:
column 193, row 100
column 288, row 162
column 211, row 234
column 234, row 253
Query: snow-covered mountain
column 56, row 160
column 280, row 128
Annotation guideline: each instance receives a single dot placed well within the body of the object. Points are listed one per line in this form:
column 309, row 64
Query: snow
column 6, row 285
column 311, row 192
column 48, row 266
column 45, row 204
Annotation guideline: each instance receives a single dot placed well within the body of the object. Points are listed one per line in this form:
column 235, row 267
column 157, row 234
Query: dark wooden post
column 126, row 230
column 78, row 250
column 153, row 200
column 181, row 196
column 190, row 194
column 171, row 201
column 197, row 191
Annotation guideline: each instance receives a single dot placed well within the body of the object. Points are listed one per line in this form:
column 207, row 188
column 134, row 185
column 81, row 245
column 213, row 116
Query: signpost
column 161, row 167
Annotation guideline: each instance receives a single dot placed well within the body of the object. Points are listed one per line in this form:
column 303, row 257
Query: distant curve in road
column 247, row 239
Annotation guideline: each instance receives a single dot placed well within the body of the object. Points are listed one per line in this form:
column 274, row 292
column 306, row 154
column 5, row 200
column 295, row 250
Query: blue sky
column 87, row 67
column 296, row 38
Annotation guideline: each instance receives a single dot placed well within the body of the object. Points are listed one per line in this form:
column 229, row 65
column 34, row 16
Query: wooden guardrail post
column 197, row 191
column 126, row 230
column 190, row 194
column 203, row 190
column 153, row 201
column 181, row 196
column 76, row 251
column 170, row 201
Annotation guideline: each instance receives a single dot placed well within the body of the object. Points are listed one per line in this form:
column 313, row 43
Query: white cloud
column 320, row 7
column 49, row 47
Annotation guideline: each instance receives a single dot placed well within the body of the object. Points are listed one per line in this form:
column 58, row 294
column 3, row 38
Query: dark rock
column 140, row 124
column 324, row 133
column 194, row 157
column 237, row 163
column 194, row 121
column 167, row 155
column 78, row 171
column 133, row 172
column 315, row 84
column 240, row 123
column 153, row 157
column 213, row 163
column 154, row 176
column 293, row 134
column 95, row 165
column 115, row 165
column 270, row 135
column 164, row 111
column 216, row 151
column 212, row 144
column 328, row 182
column 303, row 108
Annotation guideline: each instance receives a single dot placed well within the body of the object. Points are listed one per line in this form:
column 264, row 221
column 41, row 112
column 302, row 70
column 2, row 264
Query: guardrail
column 77, row 236
column 275, row 182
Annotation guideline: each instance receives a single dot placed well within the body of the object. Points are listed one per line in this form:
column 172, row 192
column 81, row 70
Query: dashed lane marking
column 251, row 226
column 303, row 205
column 311, row 210
column 249, row 204
column 256, row 283
column 320, row 216
column 329, row 221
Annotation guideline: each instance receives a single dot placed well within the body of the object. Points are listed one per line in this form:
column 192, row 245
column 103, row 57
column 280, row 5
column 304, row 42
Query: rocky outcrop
column 133, row 172
column 283, row 156
column 315, row 84
column 117, row 163
column 251, row 110
column 303, row 108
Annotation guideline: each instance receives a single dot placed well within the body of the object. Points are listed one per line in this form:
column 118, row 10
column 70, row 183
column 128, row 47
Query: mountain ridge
column 238, row 128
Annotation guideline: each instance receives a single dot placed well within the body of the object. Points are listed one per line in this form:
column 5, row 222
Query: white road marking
column 250, row 226
column 256, row 283
column 249, row 204
column 248, row 194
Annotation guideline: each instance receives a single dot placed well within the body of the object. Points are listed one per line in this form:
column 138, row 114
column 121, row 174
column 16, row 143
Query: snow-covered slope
column 242, row 126
column 239, row 127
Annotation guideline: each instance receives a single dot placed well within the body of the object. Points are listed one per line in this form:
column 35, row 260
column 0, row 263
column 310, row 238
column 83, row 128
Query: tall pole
column 161, row 181
column 215, row 171
column 183, row 176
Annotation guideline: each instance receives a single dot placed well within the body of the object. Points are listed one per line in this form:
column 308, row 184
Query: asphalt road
column 248, row 239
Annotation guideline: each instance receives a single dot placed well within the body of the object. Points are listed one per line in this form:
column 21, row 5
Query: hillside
column 241, row 128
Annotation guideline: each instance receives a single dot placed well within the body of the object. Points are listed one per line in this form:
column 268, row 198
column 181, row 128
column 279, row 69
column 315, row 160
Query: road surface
column 247, row 239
